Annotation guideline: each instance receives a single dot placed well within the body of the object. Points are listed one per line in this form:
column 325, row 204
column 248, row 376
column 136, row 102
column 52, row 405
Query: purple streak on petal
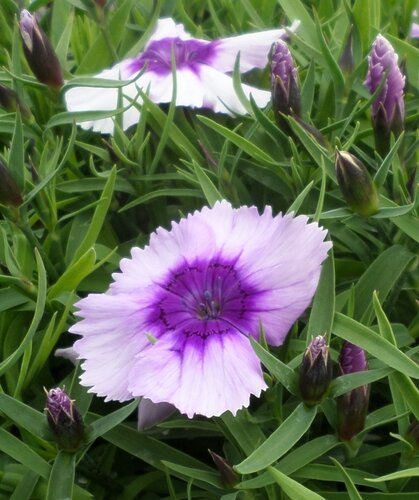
column 352, row 359
column 383, row 61
column 188, row 54
column 150, row 414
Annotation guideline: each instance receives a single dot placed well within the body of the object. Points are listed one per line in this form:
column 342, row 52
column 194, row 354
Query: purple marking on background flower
column 382, row 63
column 189, row 54
column 174, row 326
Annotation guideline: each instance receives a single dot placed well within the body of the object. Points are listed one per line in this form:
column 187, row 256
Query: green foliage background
column 88, row 199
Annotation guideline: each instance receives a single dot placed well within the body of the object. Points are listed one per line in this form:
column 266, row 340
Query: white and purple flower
column 174, row 326
column 201, row 79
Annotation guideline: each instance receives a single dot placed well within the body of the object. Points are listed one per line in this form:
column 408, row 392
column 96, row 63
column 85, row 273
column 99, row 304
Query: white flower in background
column 201, row 74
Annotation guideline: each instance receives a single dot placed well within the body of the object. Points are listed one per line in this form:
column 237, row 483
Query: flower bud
column 10, row 102
column 38, row 52
column 9, row 192
column 64, row 420
column 356, row 184
column 388, row 107
column 228, row 476
column 285, row 89
column 315, row 371
column 346, row 61
column 352, row 407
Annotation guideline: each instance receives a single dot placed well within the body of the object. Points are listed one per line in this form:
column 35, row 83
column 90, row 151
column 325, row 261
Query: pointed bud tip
column 10, row 194
column 39, row 52
column 315, row 371
column 356, row 184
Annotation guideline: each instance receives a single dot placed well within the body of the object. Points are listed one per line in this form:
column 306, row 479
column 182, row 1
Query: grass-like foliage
column 81, row 200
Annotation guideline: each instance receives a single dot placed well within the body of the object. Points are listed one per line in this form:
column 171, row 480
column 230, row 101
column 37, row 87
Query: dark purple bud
column 352, row 407
column 39, row 53
column 285, row 89
column 228, row 477
column 315, row 371
column 64, row 420
column 356, row 184
column 9, row 192
column 388, row 107
column 346, row 61
column 10, row 102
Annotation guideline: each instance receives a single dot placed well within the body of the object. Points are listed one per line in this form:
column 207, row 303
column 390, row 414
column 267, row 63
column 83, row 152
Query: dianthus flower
column 201, row 79
column 175, row 324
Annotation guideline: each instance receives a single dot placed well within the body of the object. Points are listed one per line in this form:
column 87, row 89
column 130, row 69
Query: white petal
column 167, row 28
column 106, row 99
column 253, row 47
column 221, row 97
column 113, row 332
column 166, row 250
column 203, row 376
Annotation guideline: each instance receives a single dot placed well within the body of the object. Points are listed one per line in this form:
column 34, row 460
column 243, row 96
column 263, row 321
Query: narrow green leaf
column 296, row 10
column 39, row 311
column 98, row 218
column 323, row 309
column 292, row 488
column 212, row 478
column 350, row 486
column 61, row 480
column 280, row 441
column 331, row 64
column 346, row 383
column 296, row 204
column 247, row 146
column 294, row 460
column 39, row 187
column 24, row 490
column 74, row 274
column 381, row 276
column 100, row 54
column 282, row 372
column 408, row 473
column 210, row 191
column 24, row 454
column 373, row 343
column 16, row 155
column 22, row 415
column 381, row 174
column 243, row 430
column 108, row 422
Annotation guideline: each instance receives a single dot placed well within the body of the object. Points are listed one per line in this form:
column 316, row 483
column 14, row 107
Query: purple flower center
column 187, row 53
column 204, row 298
